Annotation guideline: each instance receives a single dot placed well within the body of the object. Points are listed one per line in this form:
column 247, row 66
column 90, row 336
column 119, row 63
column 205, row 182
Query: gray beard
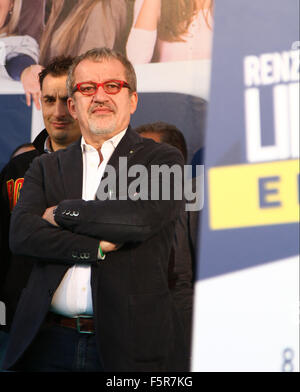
column 101, row 131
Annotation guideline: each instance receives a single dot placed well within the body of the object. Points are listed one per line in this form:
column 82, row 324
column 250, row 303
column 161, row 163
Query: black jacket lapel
column 70, row 162
column 130, row 143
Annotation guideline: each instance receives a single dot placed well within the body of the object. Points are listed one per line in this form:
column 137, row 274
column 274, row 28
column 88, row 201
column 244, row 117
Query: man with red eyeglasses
column 98, row 297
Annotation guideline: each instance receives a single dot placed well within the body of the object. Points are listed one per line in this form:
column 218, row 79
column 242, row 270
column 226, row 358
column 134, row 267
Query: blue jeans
column 60, row 349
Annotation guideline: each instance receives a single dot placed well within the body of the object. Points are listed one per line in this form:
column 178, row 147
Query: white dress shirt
column 73, row 296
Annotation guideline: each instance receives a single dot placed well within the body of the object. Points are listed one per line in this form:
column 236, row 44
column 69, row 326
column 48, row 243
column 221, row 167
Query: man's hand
column 109, row 246
column 106, row 247
column 49, row 216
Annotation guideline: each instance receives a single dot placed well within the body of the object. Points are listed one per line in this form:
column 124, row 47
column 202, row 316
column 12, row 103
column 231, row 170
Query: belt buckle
column 78, row 325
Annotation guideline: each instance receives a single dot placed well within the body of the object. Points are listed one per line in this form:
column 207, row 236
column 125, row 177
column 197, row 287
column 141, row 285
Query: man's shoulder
column 18, row 165
column 53, row 156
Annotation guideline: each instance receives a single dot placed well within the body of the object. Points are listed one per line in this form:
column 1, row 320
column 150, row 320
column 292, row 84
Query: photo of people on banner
column 174, row 36
column 170, row 31
column 17, row 51
column 147, row 31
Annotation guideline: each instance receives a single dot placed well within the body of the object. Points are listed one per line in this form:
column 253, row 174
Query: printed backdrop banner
column 246, row 312
column 19, row 123
column 172, row 60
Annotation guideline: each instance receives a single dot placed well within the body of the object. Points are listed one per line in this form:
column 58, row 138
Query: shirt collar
column 47, row 145
column 114, row 141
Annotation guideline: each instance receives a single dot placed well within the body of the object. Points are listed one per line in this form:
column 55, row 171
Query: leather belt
column 83, row 324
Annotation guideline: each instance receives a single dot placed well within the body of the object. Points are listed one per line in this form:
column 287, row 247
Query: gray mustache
column 101, row 106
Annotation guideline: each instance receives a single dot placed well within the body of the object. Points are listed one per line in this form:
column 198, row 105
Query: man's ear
column 134, row 101
column 71, row 107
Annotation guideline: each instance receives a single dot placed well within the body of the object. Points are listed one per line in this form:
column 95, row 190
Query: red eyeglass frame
column 122, row 84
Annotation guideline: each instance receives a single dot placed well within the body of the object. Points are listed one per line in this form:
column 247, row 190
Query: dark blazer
column 14, row 269
column 137, row 325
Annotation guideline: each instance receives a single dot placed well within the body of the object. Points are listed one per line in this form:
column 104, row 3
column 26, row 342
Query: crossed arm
column 32, row 235
column 106, row 246
column 35, row 232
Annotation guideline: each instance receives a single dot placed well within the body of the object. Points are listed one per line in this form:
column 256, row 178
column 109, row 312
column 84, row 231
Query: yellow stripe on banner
column 254, row 194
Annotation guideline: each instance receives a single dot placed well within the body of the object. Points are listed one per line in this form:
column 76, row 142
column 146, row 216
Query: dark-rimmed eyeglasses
column 91, row 88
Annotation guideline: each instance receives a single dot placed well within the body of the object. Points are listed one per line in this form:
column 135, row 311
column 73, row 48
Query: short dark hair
column 58, row 66
column 99, row 55
column 168, row 133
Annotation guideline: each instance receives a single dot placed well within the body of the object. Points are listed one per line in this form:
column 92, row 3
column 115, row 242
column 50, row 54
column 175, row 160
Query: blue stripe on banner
column 15, row 124
column 224, row 251
column 186, row 112
column 245, row 128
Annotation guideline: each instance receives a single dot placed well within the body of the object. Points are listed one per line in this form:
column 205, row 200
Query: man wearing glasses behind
column 97, row 299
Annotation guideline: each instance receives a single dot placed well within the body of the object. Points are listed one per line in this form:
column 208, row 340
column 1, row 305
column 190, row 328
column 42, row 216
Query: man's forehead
column 101, row 69
column 55, row 85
